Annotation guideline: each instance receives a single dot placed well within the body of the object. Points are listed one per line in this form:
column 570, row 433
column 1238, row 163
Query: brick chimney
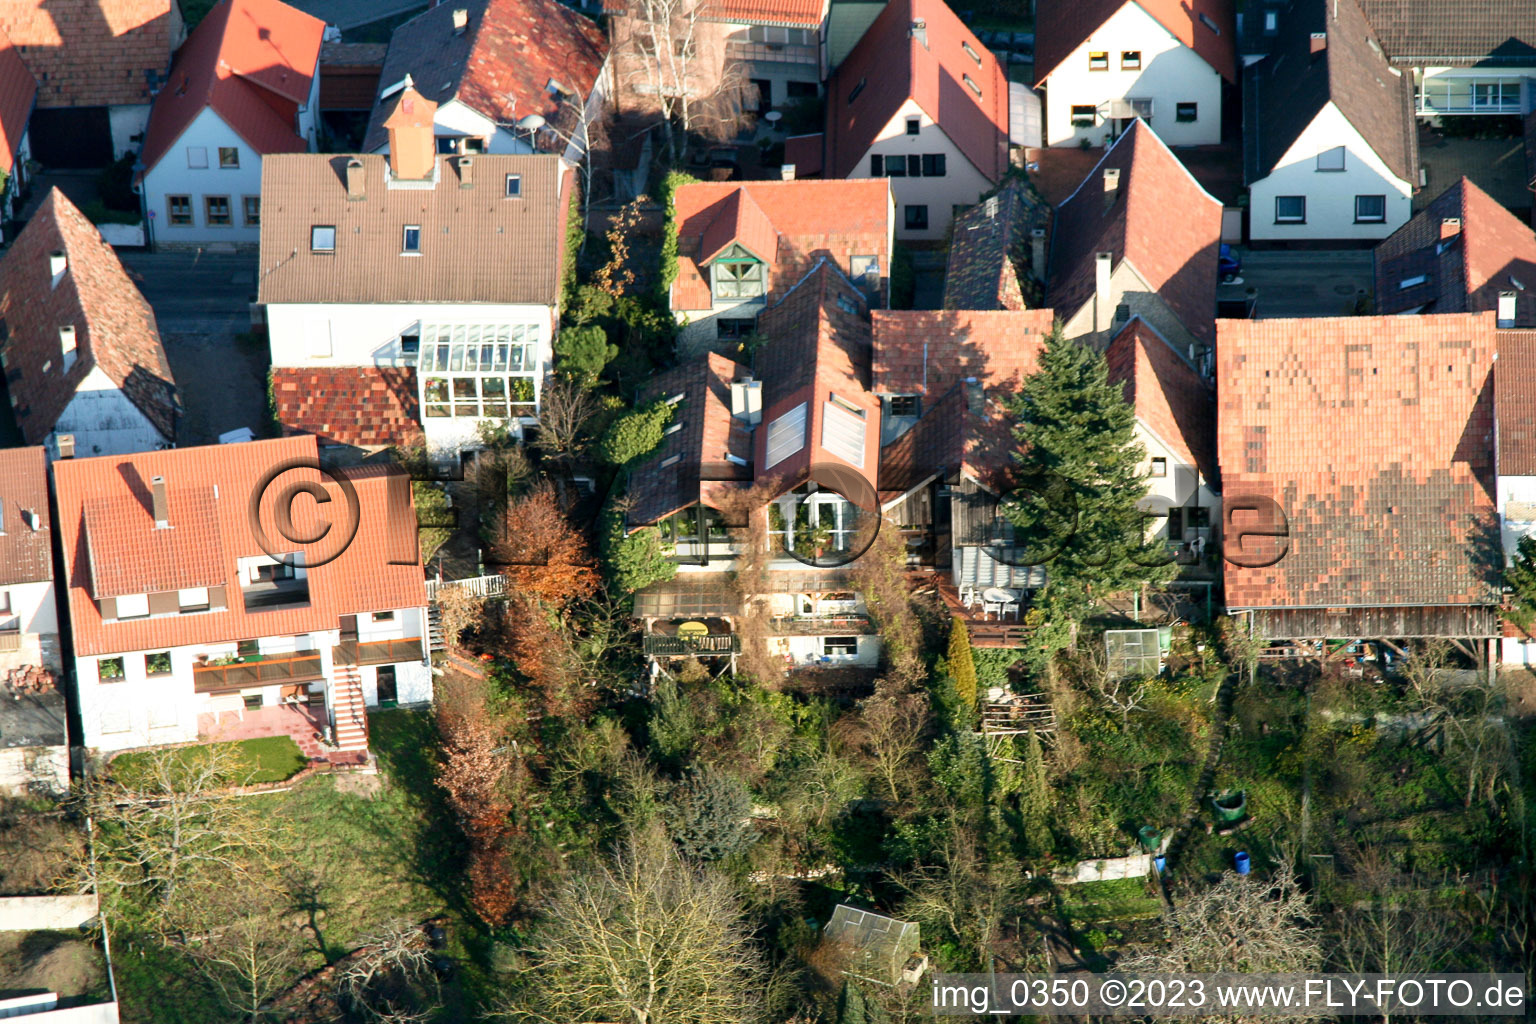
column 355, row 178
column 158, row 502
column 1450, row 227
column 412, row 148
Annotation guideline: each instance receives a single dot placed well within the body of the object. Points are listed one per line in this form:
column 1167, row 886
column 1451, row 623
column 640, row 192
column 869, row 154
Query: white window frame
column 133, row 606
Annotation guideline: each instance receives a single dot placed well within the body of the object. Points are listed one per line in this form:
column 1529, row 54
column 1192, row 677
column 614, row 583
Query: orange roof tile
column 1514, row 382
column 889, row 65
column 365, row 406
column 18, row 91
column 1061, row 26
column 87, row 53
column 114, row 327
column 111, row 545
column 840, row 219
column 501, row 65
column 1176, row 255
column 252, row 61
column 1167, row 394
column 1375, row 437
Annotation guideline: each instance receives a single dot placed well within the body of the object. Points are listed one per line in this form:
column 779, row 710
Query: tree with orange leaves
column 541, row 554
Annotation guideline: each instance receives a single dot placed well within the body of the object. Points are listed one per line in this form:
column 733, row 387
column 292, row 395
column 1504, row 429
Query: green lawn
column 268, row 759
column 1124, row 899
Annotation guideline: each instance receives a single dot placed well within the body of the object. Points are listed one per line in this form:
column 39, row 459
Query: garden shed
column 875, row 948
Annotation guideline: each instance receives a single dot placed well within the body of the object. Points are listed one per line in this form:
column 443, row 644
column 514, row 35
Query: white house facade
column 929, row 174
column 1132, row 66
column 1329, row 184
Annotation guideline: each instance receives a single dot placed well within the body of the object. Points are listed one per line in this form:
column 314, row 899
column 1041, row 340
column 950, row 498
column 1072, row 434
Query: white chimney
column 1450, row 227
column 460, row 20
column 1103, row 265
column 67, row 345
column 1319, row 42
column 1111, row 180
column 747, row 401
column 58, row 262
column 1506, row 309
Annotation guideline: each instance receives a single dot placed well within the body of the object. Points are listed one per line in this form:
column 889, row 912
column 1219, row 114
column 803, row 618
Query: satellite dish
column 531, row 123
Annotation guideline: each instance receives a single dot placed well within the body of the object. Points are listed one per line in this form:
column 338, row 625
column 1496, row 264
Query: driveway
column 1303, row 284
column 202, row 305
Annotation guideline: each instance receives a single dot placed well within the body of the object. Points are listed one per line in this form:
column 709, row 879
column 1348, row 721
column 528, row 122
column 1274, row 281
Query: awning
column 1026, row 126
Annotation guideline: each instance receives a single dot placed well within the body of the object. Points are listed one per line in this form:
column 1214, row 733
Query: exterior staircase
column 435, row 628
column 348, row 709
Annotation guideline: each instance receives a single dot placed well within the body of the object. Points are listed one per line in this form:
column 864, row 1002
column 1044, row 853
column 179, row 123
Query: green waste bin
column 1165, row 638
column 1150, row 838
column 1230, row 805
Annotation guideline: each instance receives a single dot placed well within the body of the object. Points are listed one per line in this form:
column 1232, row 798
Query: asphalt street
column 1304, row 283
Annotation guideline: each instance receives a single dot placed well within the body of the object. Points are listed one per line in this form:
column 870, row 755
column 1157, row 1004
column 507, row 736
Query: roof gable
column 18, row 92
column 115, row 330
column 1168, row 396
column 249, row 61
column 1175, row 256
column 501, row 65
column 945, row 69
column 1294, row 84
column 1205, row 26
column 991, row 249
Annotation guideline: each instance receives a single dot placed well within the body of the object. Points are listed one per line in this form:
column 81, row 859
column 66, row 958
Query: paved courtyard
column 202, row 305
column 1296, row 284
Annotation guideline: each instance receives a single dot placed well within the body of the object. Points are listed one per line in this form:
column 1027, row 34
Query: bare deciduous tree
column 1477, row 739
column 247, row 953
column 383, row 982
column 962, row 894
column 891, row 726
column 567, row 409
column 670, row 57
column 645, row 938
column 458, row 610
column 1114, row 694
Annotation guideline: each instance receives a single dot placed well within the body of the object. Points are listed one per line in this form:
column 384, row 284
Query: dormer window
column 133, row 606
column 739, row 275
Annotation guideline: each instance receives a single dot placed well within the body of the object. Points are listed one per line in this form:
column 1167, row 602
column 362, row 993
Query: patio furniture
column 693, row 629
column 226, row 702
column 968, row 595
column 1001, row 599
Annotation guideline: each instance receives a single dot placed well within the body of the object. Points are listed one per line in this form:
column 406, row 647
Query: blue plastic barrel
column 1160, row 863
column 1241, row 860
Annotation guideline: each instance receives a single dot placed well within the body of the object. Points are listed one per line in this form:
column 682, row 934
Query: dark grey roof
column 1290, row 87
column 427, row 49
column 1417, row 32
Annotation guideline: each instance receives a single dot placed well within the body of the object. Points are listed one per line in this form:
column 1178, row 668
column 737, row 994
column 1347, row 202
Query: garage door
column 71, row 137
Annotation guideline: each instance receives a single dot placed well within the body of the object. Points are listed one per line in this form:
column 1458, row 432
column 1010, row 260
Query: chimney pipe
column 1506, row 315
column 1103, row 265
column 1111, row 179
column 160, row 505
column 919, row 31
column 355, row 178
column 58, row 262
column 1037, row 253
column 1319, row 42
column 466, row 172
column 1450, row 227
column 460, row 20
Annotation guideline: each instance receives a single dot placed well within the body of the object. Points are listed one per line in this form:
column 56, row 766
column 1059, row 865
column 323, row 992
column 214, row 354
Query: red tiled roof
column 88, row 53
column 114, row 327
column 365, row 406
column 1175, row 254
column 935, row 443
column 501, row 65
column 1170, row 399
column 1492, row 251
column 26, row 553
column 817, row 349
column 1375, row 437
column 111, row 544
column 1061, row 26
column 934, row 353
column 806, row 13
column 889, row 65
column 991, row 249
column 1514, row 383
column 840, row 219
column 18, row 91
column 253, row 62
column 708, row 434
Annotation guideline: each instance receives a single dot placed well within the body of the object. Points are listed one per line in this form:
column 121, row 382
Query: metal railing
column 296, row 668
column 479, row 586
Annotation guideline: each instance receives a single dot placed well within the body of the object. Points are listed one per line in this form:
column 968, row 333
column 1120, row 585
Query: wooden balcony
column 268, row 671
column 681, row 646
column 378, row 652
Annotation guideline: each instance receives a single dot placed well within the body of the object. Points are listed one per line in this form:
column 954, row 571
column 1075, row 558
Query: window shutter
column 109, row 608
column 914, row 166
column 875, row 170
column 216, row 598
column 164, row 603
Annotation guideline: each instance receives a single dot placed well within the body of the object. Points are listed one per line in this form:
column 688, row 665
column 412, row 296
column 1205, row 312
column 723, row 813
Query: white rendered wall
column 171, row 176
column 104, row 421
column 1330, row 194
column 1170, row 73
column 367, row 334
column 1179, row 488
column 125, row 122
column 33, row 609
column 962, row 184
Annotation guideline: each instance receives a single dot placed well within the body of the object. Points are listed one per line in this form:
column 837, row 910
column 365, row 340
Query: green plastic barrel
column 1230, row 805
column 1150, row 838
